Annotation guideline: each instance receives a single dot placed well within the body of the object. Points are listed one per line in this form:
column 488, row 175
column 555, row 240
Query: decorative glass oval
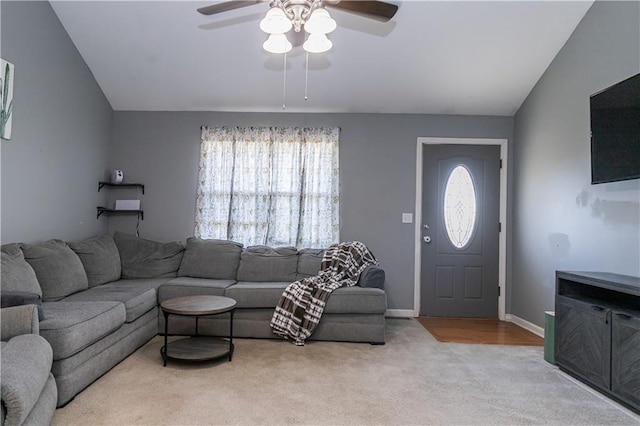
column 460, row 206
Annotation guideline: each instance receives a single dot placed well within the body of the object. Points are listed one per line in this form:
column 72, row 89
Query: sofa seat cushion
column 357, row 300
column 187, row 286
column 70, row 327
column 26, row 363
column 251, row 294
column 137, row 299
column 345, row 300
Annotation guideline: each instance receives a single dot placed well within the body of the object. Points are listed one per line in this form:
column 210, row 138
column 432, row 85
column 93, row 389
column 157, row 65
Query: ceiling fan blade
column 226, row 6
column 378, row 10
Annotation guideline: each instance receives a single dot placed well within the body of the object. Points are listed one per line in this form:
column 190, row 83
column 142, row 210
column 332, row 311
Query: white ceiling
column 434, row 57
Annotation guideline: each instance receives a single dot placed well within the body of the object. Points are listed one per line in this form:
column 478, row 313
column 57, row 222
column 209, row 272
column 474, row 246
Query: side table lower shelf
column 199, row 348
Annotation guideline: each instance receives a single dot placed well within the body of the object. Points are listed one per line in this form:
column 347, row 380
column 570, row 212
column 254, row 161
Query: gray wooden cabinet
column 597, row 332
column 625, row 356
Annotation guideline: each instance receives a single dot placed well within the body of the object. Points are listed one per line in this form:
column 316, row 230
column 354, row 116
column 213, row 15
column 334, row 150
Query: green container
column 549, row 336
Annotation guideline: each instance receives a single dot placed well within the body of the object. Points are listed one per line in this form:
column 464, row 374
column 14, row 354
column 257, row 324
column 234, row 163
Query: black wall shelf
column 104, row 210
column 120, row 185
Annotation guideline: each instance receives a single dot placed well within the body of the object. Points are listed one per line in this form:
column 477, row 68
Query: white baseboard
column 400, row 313
column 525, row 324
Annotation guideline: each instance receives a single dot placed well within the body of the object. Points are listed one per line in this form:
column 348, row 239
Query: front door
column 460, row 231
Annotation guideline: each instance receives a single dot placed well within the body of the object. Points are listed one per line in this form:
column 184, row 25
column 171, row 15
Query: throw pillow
column 59, row 270
column 18, row 298
column 16, row 273
column 372, row 276
column 100, row 259
column 141, row 258
column 213, row 259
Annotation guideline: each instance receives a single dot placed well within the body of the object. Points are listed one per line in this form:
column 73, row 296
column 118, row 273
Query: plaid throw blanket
column 302, row 302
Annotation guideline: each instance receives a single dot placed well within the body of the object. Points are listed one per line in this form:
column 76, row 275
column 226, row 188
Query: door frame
column 502, row 243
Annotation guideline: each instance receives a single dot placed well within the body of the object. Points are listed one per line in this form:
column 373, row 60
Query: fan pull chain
column 306, row 78
column 284, row 82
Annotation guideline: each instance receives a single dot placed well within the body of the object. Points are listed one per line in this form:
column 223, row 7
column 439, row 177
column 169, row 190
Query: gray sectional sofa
column 100, row 296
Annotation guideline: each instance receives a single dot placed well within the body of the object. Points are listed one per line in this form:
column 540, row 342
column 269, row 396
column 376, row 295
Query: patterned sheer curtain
column 269, row 186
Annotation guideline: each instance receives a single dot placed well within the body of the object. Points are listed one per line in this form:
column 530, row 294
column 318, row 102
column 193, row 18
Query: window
column 269, row 186
column 460, row 206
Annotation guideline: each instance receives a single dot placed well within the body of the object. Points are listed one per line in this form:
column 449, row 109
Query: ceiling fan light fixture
column 275, row 22
column 317, row 43
column 277, row 43
column 320, row 22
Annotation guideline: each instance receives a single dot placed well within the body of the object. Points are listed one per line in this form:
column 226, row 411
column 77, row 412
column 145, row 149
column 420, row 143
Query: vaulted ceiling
column 433, row 57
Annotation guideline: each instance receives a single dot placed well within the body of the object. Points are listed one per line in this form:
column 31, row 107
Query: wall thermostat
column 117, row 176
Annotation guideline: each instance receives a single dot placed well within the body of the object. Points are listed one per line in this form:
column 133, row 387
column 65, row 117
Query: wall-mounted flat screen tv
column 615, row 132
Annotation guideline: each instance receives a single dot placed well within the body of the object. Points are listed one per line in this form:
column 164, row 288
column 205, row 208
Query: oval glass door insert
column 460, row 206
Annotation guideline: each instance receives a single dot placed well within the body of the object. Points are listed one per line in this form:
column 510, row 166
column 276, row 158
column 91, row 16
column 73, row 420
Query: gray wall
column 61, row 131
column 377, row 162
column 561, row 221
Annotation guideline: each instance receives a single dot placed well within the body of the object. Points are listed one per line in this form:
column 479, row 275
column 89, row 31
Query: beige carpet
column 413, row 379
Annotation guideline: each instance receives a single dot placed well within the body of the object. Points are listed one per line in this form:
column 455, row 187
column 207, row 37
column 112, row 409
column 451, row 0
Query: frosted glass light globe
column 277, row 43
column 275, row 22
column 317, row 43
column 320, row 22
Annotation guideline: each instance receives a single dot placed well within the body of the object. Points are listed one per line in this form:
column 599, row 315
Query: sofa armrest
column 26, row 366
column 372, row 276
column 18, row 320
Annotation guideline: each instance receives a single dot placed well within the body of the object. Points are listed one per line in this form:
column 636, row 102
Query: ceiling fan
column 378, row 10
column 289, row 17
column 294, row 15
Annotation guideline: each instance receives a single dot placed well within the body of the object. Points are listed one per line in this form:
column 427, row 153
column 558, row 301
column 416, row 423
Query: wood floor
column 480, row 331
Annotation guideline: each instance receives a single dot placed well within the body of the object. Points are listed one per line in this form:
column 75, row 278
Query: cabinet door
column 625, row 357
column 583, row 340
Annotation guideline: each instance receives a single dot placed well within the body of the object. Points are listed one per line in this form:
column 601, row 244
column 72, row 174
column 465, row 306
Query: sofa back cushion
column 59, row 270
column 17, row 274
column 309, row 261
column 140, row 258
column 213, row 259
column 100, row 259
column 262, row 264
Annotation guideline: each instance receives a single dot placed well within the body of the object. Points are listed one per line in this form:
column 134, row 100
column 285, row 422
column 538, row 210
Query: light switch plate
column 407, row 217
